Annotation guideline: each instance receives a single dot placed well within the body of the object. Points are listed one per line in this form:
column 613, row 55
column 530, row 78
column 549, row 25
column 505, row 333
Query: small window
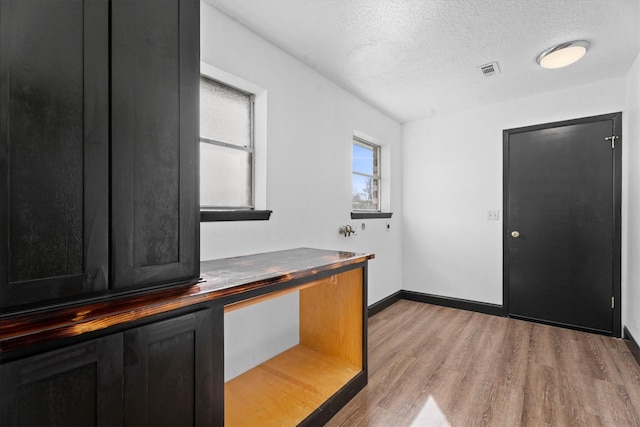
column 226, row 147
column 366, row 176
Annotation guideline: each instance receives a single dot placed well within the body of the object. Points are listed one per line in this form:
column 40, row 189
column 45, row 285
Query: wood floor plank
column 502, row 379
column 592, row 356
column 541, row 348
column 621, row 411
column 515, row 356
column 387, row 381
column 365, row 414
column 629, row 362
column 542, row 399
column 438, row 366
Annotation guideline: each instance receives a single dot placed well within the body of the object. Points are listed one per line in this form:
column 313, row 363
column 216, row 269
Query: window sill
column 370, row 215
column 239, row 215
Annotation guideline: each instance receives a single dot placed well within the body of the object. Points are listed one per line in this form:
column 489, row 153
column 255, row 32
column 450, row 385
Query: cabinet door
column 54, row 155
column 155, row 78
column 169, row 372
column 78, row 385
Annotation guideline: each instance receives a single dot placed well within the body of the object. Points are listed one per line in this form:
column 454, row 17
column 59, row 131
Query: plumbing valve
column 347, row 230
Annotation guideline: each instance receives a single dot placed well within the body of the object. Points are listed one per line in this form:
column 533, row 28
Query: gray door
column 562, row 223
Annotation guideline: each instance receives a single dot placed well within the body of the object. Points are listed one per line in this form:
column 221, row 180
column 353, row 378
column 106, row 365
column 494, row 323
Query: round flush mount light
column 563, row 54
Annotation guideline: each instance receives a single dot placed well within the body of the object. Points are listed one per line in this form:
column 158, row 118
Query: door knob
column 515, row 234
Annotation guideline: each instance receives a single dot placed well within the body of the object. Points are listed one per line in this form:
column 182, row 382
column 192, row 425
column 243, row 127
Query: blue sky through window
column 362, row 159
column 365, row 189
column 358, row 183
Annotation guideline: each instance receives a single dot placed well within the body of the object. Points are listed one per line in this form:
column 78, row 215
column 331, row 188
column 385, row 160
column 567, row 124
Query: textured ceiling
column 420, row 58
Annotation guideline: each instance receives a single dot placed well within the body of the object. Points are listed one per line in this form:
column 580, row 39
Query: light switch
column 493, row 215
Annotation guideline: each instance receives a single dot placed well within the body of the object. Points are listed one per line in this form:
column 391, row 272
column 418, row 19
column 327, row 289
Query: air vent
column 490, row 69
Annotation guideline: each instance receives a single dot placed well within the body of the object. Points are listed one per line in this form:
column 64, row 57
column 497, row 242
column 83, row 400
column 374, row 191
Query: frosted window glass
column 225, row 113
column 225, row 177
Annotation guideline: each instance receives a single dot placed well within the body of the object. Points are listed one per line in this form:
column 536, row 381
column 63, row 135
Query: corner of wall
column 631, row 202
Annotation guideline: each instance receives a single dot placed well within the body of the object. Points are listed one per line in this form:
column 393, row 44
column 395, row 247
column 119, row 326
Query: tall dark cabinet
column 98, row 163
column 54, row 156
column 99, row 195
column 154, row 127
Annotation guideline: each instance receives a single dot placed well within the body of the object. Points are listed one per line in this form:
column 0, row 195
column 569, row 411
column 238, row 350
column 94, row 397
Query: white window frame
column 259, row 173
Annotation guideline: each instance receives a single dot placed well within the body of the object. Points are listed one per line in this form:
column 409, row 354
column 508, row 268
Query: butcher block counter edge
column 228, row 279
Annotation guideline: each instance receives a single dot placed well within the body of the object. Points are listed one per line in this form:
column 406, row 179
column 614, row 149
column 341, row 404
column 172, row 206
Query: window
column 233, row 147
column 226, row 147
column 366, row 176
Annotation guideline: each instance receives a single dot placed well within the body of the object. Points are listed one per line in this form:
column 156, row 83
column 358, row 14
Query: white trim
column 368, row 138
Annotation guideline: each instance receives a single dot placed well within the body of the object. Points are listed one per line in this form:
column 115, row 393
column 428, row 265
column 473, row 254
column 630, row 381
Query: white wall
column 631, row 204
column 452, row 171
column 310, row 124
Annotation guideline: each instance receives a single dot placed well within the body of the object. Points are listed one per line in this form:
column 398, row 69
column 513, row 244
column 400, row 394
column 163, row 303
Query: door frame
column 617, row 199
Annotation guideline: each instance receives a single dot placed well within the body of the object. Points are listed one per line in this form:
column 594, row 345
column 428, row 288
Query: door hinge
column 613, row 140
column 613, row 302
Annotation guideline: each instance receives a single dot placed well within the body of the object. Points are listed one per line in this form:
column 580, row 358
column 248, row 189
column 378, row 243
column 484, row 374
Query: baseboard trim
column 480, row 307
column 384, row 303
column 632, row 344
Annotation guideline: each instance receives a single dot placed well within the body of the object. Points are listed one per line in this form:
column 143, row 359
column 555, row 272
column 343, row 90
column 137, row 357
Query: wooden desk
column 304, row 385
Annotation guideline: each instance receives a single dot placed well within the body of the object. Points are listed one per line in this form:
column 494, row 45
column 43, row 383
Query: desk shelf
column 284, row 390
column 289, row 388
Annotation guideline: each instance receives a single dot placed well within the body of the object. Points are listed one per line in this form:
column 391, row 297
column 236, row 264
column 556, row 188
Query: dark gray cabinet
column 171, row 374
column 99, row 194
column 98, row 154
column 163, row 373
column 79, row 385
column 154, row 126
column 54, row 150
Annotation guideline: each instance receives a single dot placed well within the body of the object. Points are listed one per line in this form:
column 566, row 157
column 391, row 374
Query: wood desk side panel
column 331, row 318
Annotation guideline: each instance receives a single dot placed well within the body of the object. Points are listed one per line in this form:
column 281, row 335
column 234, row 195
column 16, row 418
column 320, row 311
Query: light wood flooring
column 438, row 366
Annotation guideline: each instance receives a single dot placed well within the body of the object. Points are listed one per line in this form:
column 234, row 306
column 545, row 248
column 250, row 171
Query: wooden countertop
column 220, row 278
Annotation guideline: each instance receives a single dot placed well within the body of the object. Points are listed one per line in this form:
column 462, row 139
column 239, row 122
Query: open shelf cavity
column 287, row 388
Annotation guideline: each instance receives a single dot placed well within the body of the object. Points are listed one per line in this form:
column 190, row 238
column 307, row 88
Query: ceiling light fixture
column 563, row 54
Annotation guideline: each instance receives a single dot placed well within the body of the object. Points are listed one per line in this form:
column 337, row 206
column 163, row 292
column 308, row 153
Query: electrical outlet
column 388, row 227
column 493, row 215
